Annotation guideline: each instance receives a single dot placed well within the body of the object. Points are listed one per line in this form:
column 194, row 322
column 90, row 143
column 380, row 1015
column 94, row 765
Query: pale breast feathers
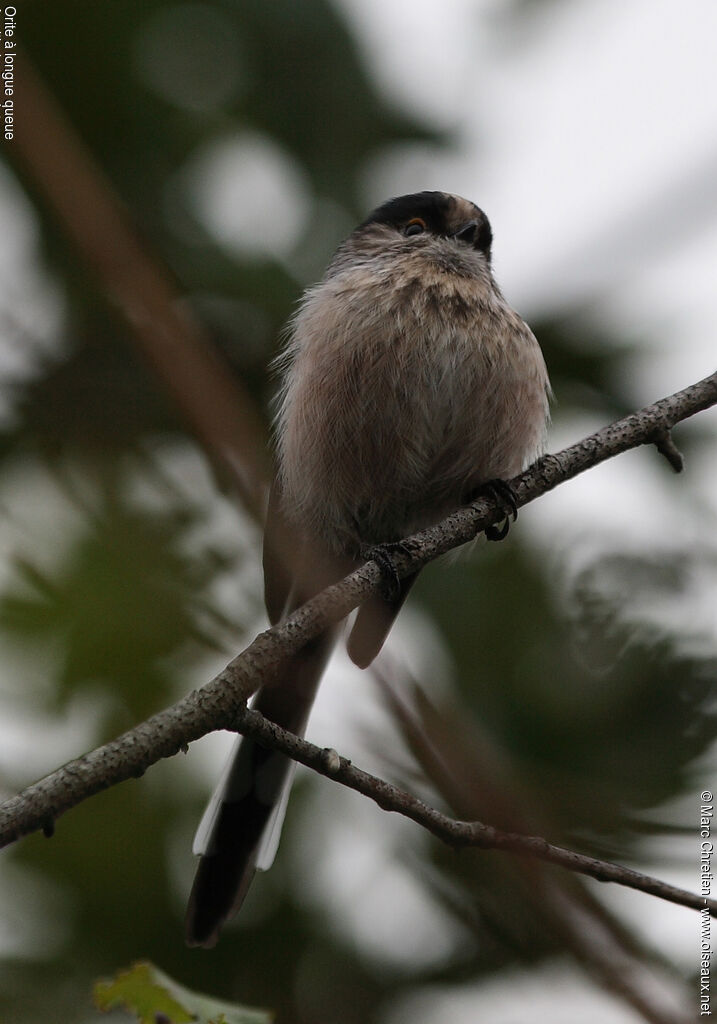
column 405, row 383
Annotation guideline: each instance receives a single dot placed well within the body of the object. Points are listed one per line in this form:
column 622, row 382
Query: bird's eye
column 415, row 226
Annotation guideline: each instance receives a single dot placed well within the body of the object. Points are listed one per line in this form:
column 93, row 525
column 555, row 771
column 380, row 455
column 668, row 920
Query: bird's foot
column 502, row 493
column 381, row 555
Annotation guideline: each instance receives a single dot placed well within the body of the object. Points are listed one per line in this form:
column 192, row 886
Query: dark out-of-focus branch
column 221, row 703
column 471, row 773
column 163, row 329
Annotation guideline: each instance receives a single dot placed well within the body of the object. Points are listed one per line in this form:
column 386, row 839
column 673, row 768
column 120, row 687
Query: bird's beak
column 467, row 232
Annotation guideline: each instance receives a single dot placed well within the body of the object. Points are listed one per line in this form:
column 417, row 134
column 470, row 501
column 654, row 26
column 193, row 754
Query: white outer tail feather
column 269, row 842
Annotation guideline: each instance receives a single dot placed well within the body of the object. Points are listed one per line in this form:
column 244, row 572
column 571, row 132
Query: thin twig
column 456, row 833
column 219, row 704
column 471, row 773
column 667, row 447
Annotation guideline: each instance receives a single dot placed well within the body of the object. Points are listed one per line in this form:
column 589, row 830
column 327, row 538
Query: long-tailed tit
column 408, row 384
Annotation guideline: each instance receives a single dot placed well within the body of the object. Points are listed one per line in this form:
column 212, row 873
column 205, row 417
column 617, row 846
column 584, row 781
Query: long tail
column 240, row 829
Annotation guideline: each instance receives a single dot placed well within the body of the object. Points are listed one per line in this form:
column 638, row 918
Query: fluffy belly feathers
column 397, row 410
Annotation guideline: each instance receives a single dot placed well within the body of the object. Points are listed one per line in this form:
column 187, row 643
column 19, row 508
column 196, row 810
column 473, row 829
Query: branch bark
column 221, row 703
column 329, row 763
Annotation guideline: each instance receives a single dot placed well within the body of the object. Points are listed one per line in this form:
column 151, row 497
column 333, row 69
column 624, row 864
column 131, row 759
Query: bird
column 407, row 387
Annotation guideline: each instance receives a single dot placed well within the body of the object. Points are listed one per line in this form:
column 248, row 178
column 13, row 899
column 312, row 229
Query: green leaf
column 156, row 999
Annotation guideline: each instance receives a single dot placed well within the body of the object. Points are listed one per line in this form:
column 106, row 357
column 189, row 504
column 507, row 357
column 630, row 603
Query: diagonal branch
column 220, row 704
column 327, row 762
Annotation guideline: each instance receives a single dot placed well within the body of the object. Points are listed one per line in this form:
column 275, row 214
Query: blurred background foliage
column 573, row 710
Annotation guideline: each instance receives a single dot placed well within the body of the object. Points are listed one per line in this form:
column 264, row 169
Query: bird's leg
column 381, row 555
column 501, row 492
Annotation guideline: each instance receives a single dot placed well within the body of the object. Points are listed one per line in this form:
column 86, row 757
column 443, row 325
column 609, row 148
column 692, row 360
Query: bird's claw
column 381, row 555
column 502, row 493
column 497, row 533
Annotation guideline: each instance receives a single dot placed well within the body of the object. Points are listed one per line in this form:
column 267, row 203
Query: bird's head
column 445, row 229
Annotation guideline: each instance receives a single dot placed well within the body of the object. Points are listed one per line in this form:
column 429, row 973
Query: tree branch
column 220, row 704
column 327, row 762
